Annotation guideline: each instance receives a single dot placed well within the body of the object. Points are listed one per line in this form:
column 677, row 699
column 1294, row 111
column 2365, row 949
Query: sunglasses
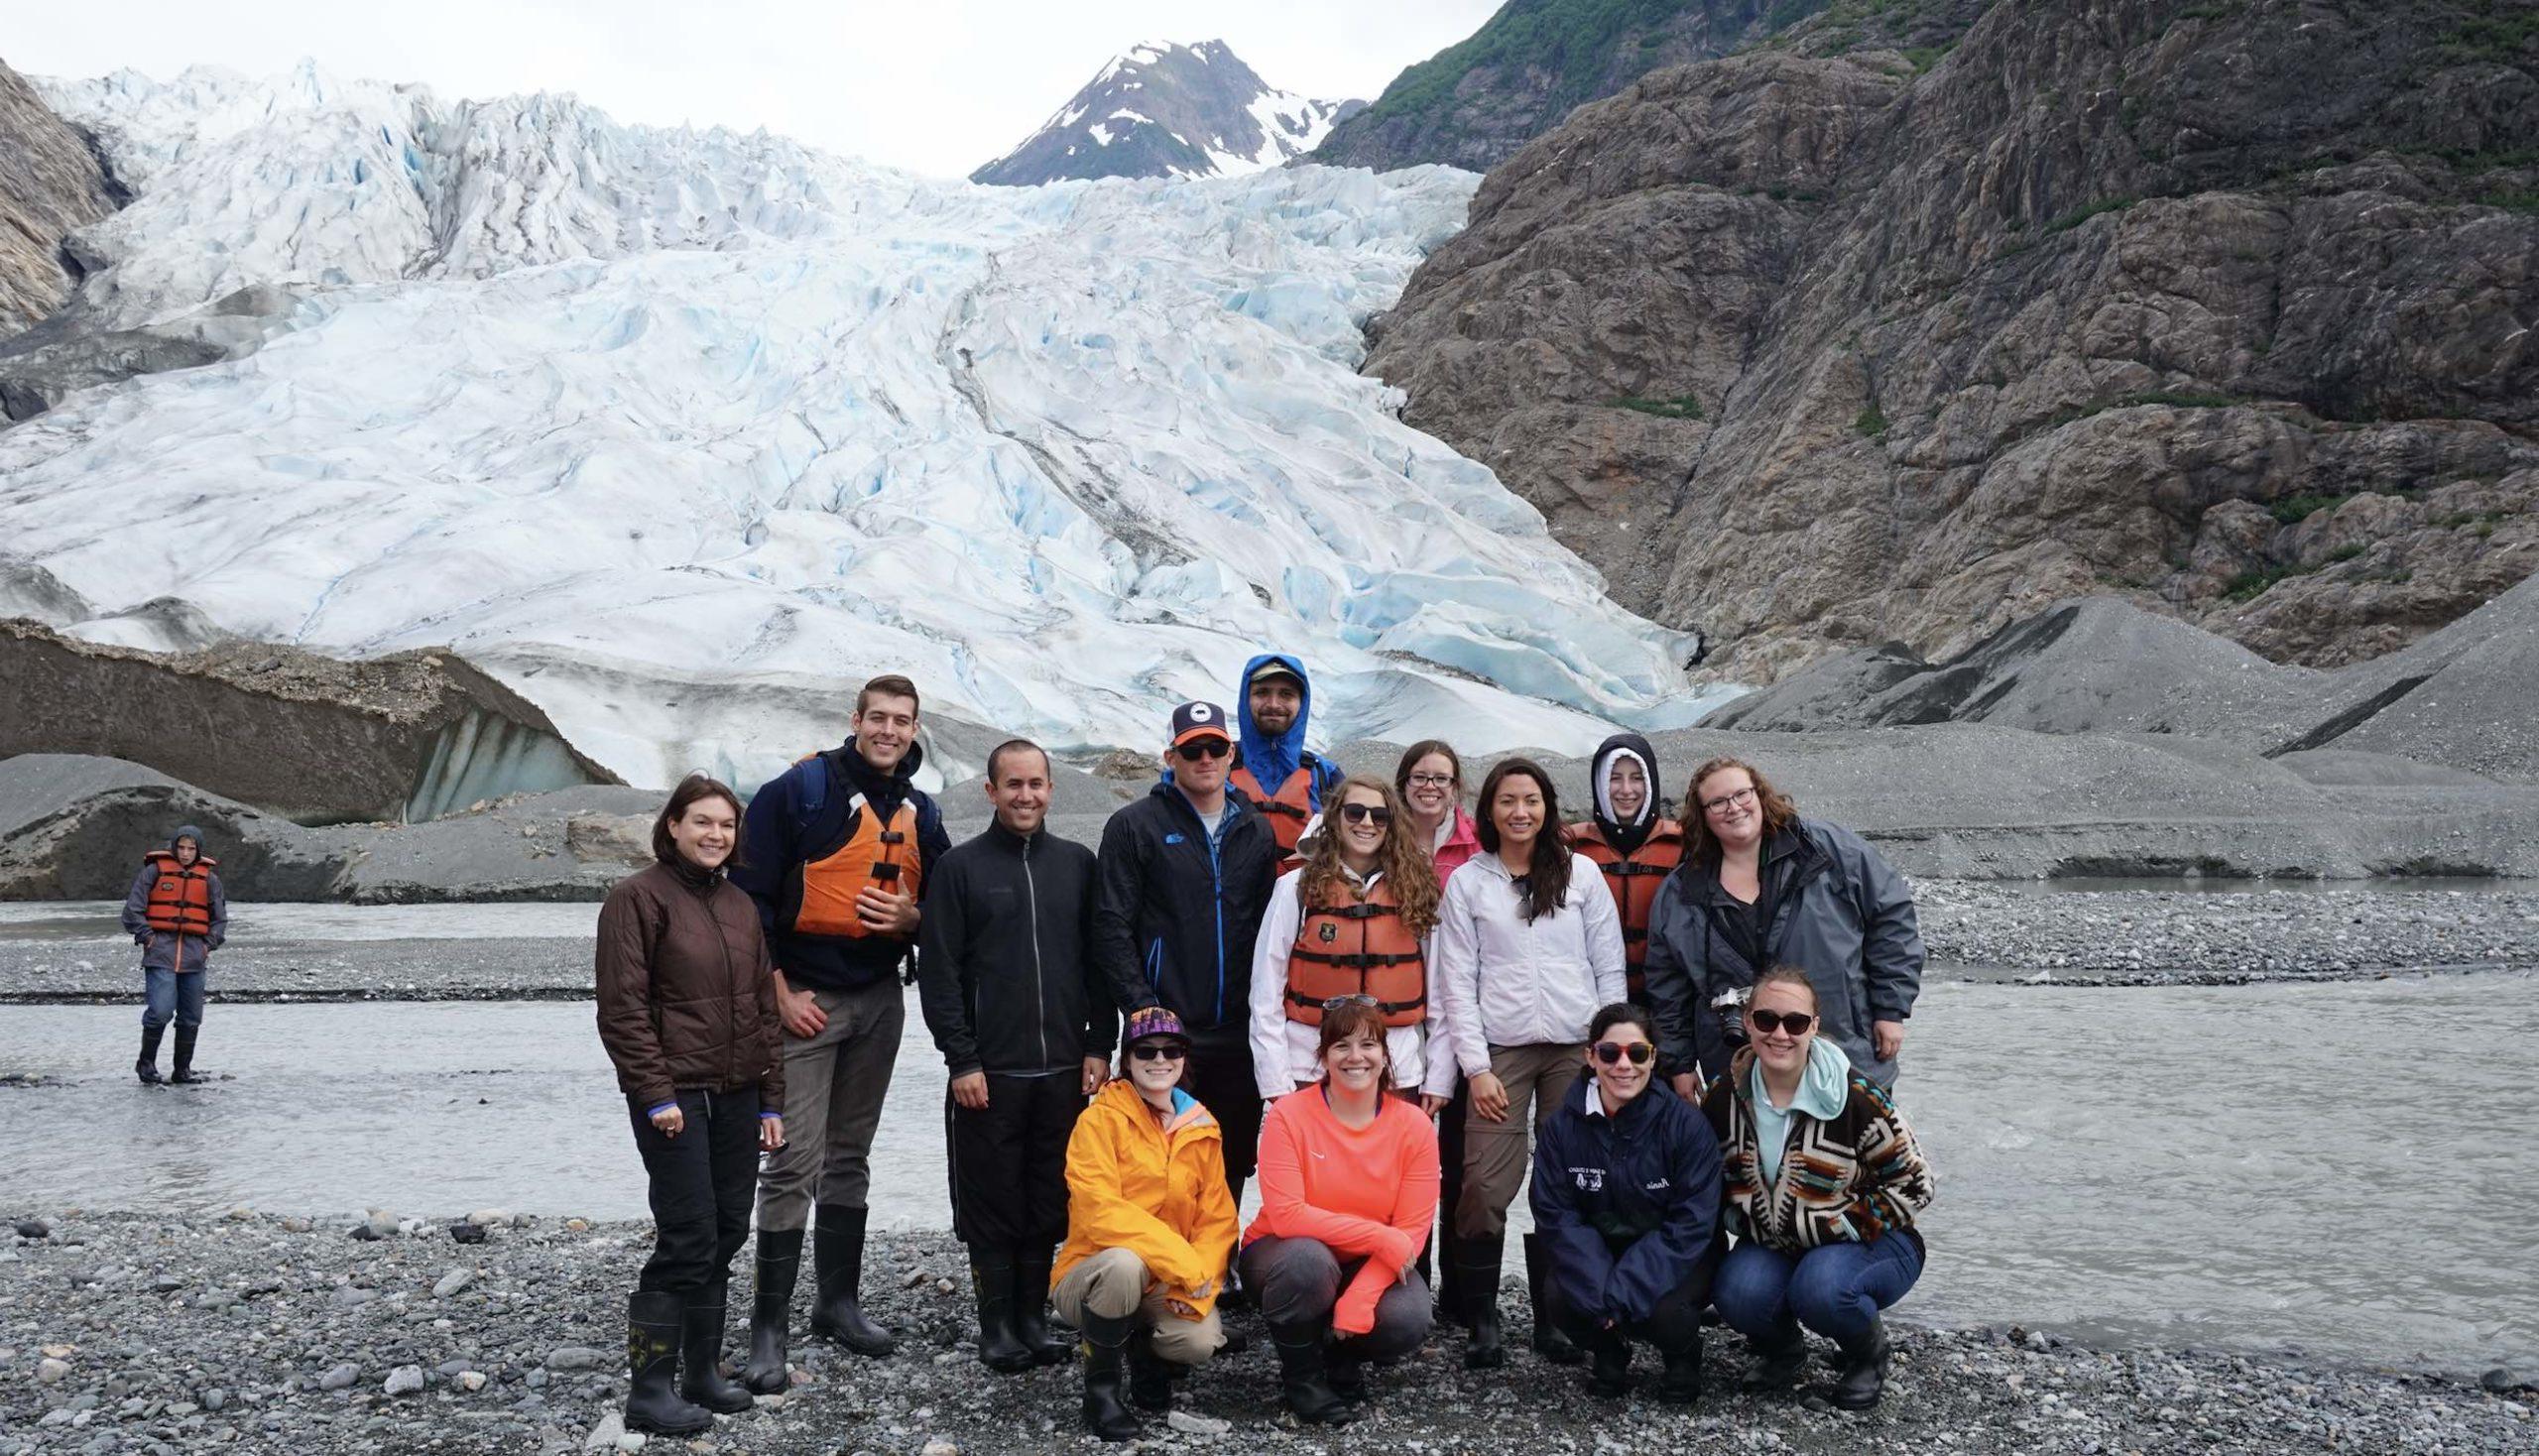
column 1365, row 813
column 1794, row 1022
column 1355, row 998
column 1204, row 747
column 1610, row 1052
column 1155, row 1051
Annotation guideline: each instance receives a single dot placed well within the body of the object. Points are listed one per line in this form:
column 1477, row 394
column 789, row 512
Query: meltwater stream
column 2335, row 1168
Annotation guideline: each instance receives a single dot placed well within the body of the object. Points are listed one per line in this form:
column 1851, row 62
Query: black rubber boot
column 1150, row 1374
column 700, row 1354
column 1344, row 1367
column 1032, row 1307
column 780, row 1259
column 182, row 1073
column 1779, row 1362
column 837, row 1260
column 1609, row 1365
column 1304, row 1379
column 1106, row 1343
column 1864, row 1376
column 1550, row 1341
column 992, row 1279
column 1477, row 1270
column 1681, row 1385
column 653, row 1322
column 147, row 1066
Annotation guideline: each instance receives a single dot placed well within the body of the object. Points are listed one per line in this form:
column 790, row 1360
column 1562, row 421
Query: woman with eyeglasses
column 1823, row 1182
column 1353, row 921
column 1430, row 780
column 1758, row 886
column 1625, row 1197
column 1528, row 945
column 1149, row 1227
column 1348, row 1190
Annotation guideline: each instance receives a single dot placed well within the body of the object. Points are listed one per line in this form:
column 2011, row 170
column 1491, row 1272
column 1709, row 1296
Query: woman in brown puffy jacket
column 688, row 1012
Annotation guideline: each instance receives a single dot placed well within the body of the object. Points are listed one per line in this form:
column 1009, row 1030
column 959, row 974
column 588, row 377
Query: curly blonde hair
column 1403, row 861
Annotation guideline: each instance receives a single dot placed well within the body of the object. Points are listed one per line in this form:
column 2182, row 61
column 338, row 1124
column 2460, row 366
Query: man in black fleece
column 1006, row 978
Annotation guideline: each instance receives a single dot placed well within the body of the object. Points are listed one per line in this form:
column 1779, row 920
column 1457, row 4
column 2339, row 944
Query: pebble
column 486, row 1218
column 604, row 1436
column 51, row 1371
column 405, row 1380
column 33, row 1228
column 339, row 1378
column 471, row 1380
column 574, row 1357
column 467, row 1232
column 455, row 1280
column 1191, row 1423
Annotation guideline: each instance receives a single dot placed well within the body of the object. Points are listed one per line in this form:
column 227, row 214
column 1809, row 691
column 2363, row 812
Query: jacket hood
column 1824, row 1089
column 1625, row 835
column 1120, row 1097
column 188, row 831
column 1272, row 760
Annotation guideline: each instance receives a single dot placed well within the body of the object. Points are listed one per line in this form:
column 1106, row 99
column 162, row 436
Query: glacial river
column 2333, row 1168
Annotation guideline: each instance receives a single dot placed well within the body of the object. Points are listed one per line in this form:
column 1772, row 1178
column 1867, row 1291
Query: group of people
column 1385, row 1008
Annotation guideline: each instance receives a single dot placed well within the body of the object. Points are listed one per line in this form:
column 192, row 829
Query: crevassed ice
column 680, row 432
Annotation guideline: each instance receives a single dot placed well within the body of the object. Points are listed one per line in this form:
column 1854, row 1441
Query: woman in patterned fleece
column 1823, row 1182
column 1348, row 1192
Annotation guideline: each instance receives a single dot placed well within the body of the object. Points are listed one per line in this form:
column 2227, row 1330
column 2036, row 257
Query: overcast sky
column 937, row 86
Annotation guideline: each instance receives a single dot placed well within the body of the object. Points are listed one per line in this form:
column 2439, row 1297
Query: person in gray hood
column 1761, row 886
column 177, row 914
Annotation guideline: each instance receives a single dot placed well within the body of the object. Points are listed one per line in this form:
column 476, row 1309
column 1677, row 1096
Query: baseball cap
column 1198, row 720
column 1272, row 669
column 1154, row 1024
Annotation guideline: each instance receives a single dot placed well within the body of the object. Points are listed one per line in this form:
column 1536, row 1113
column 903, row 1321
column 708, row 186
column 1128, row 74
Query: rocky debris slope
column 50, row 186
column 75, row 827
column 408, row 736
column 2453, row 707
column 2220, row 309
column 1166, row 110
column 265, row 1333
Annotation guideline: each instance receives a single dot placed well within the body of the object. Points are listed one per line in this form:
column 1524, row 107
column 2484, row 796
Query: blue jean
column 170, row 995
column 1836, row 1290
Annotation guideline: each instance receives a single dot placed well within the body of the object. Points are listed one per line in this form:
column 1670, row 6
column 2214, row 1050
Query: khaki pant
column 1539, row 1078
column 834, row 1084
column 1113, row 1284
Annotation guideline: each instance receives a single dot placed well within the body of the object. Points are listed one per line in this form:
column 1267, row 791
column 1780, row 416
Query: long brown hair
column 1547, row 875
column 1779, row 813
column 695, row 787
column 1402, row 859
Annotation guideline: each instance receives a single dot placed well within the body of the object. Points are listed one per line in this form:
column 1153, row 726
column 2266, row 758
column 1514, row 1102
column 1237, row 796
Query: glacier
column 682, row 434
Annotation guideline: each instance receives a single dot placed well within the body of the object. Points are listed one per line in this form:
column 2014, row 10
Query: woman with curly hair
column 1761, row 887
column 1353, row 921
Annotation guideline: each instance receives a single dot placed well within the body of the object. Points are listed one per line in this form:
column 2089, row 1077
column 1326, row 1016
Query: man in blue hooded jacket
column 1273, row 767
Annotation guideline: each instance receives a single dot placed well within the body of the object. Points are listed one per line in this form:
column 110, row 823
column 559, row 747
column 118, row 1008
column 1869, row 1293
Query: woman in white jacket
column 1527, row 946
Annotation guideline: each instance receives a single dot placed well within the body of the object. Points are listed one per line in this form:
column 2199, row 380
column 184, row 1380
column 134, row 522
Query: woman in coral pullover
column 1149, row 1225
column 1348, row 1192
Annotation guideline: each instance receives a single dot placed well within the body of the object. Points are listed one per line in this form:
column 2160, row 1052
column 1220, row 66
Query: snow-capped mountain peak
column 1162, row 109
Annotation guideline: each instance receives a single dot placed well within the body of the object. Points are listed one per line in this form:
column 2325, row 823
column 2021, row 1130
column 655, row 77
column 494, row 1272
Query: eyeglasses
column 1365, row 813
column 1432, row 780
column 1794, row 1022
column 1155, row 1051
column 1742, row 796
column 1610, row 1052
column 1205, row 748
column 1355, row 998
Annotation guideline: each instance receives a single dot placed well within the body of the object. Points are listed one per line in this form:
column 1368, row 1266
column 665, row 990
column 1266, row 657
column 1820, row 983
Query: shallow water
column 2329, row 1168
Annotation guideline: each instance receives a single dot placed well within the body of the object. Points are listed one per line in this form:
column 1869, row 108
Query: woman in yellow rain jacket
column 1149, row 1227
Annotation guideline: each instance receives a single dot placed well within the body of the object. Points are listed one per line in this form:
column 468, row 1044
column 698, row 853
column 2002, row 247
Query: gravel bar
column 1987, row 930
column 133, row 1333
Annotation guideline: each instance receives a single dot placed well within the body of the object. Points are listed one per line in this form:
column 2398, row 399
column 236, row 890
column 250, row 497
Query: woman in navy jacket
column 1625, row 1197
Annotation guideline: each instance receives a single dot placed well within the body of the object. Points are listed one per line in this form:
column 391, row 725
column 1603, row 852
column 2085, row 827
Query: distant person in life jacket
column 837, row 850
column 177, row 914
column 1272, row 766
column 1630, row 839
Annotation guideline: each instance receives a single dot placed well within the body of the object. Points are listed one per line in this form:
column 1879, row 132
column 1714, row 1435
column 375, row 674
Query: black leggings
column 703, row 1184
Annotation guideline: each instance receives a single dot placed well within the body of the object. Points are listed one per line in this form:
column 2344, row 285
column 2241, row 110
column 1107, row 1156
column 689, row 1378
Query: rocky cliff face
column 1163, row 110
column 50, row 183
column 2221, row 309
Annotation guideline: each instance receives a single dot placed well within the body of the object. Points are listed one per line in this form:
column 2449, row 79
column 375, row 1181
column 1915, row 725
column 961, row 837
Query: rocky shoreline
column 1982, row 928
column 133, row 1332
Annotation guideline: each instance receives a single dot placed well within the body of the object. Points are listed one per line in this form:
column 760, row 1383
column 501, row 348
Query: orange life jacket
column 873, row 853
column 1635, row 880
column 1289, row 810
column 1360, row 948
column 181, row 898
